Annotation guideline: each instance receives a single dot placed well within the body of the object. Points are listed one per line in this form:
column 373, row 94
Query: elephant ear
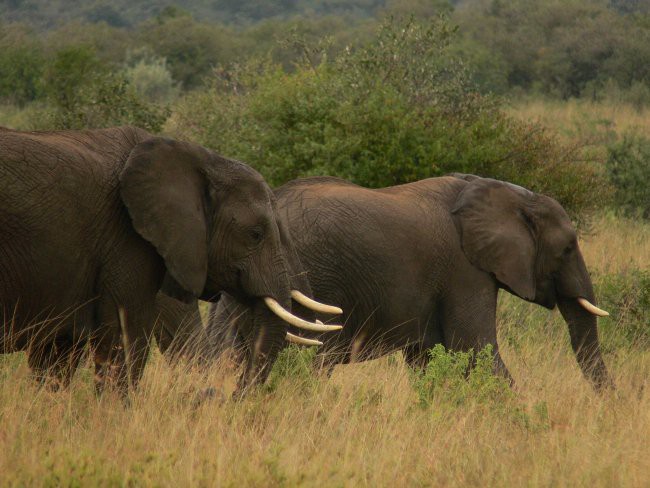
column 163, row 187
column 497, row 232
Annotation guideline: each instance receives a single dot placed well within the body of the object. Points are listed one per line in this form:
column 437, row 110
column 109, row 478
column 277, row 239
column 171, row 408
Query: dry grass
column 617, row 245
column 362, row 427
column 579, row 119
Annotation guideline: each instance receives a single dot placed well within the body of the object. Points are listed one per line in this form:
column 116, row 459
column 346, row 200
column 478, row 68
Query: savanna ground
column 375, row 423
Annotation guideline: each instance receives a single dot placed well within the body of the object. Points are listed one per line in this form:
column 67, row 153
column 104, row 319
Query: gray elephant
column 179, row 330
column 421, row 264
column 95, row 223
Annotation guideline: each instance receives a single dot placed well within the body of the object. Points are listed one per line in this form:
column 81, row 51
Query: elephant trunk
column 575, row 295
column 584, row 341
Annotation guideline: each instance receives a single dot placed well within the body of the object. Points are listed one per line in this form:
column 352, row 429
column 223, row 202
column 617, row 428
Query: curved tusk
column 305, row 301
column 301, row 340
column 288, row 317
column 591, row 308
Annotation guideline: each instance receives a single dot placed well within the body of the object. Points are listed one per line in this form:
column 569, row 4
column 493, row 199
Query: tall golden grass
column 363, row 426
column 582, row 119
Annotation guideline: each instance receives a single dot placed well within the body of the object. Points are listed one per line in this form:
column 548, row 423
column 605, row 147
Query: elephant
column 420, row 264
column 96, row 222
column 179, row 330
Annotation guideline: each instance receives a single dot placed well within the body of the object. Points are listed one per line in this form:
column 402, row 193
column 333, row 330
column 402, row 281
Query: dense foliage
column 628, row 165
column 398, row 109
column 628, row 293
column 563, row 49
column 559, row 48
column 347, row 107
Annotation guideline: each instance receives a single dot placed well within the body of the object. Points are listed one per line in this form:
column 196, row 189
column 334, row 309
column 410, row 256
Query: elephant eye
column 256, row 234
column 569, row 249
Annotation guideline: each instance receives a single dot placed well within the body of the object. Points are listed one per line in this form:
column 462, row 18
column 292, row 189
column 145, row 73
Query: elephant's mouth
column 551, row 299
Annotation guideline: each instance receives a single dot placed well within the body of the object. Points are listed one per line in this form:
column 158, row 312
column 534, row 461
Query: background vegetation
column 550, row 94
column 354, row 89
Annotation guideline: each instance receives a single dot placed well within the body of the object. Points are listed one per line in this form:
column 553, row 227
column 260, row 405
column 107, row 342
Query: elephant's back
column 80, row 150
column 42, row 171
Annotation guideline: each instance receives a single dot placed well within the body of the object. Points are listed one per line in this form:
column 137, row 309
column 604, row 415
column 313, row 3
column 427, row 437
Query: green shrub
column 458, row 377
column 627, row 296
column 152, row 80
column 628, row 166
column 21, row 65
column 399, row 109
column 294, row 364
column 106, row 102
column 21, row 70
column 68, row 72
column 85, row 93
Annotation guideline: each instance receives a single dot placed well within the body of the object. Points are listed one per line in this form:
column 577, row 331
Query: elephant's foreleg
column 136, row 326
column 122, row 350
column 468, row 317
column 416, row 356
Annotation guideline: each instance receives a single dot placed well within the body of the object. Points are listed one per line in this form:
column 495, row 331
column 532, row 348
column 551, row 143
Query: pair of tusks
column 288, row 317
column 591, row 308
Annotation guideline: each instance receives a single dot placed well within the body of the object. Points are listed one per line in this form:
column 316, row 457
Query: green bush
column 152, row 80
column 84, row 93
column 71, row 69
column 628, row 166
column 106, row 102
column 21, row 70
column 627, row 296
column 21, row 65
column 294, row 364
column 458, row 377
column 399, row 109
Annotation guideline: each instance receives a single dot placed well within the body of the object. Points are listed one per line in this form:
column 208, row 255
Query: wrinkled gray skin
column 421, row 264
column 96, row 222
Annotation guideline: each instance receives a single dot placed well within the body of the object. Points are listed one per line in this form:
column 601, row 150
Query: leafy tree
column 629, row 170
column 106, row 102
column 396, row 110
column 152, row 81
column 21, row 64
column 191, row 48
column 71, row 68
column 108, row 14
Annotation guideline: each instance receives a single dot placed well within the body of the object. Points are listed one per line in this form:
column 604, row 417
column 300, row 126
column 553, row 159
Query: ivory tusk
column 591, row 308
column 301, row 340
column 288, row 317
column 305, row 301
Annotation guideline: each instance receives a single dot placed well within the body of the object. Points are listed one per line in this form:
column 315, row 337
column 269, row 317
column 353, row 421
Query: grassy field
column 371, row 424
column 583, row 119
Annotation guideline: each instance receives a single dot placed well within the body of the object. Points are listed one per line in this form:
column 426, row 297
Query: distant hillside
column 125, row 13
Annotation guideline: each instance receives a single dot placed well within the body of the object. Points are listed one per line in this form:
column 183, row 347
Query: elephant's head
column 527, row 241
column 213, row 222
